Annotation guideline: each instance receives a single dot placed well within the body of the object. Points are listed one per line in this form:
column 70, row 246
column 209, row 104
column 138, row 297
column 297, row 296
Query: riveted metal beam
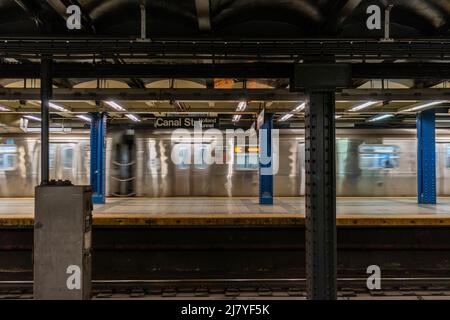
column 418, row 71
column 133, row 94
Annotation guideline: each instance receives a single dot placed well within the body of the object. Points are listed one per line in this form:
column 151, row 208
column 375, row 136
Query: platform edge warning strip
column 241, row 220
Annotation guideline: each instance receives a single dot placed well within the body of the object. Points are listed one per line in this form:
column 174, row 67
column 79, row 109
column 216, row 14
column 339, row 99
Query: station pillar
column 98, row 150
column 426, row 157
column 320, row 81
column 266, row 163
column 62, row 222
column 320, row 195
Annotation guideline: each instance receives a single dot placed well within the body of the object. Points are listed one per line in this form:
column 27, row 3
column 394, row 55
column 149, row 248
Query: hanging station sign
column 186, row 122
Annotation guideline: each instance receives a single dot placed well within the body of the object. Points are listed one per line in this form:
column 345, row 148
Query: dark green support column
column 320, row 195
column 46, row 95
column 320, row 81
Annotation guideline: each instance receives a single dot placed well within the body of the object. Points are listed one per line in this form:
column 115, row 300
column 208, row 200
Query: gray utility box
column 62, row 241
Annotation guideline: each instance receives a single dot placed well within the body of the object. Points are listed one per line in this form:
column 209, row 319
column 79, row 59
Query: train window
column 202, row 155
column 447, row 156
column 182, row 155
column 246, row 158
column 67, row 158
column 8, row 157
column 221, row 154
column 153, row 163
column 376, row 157
column 87, row 156
column 52, row 155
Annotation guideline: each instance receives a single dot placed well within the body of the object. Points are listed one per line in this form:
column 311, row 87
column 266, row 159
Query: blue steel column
column 426, row 157
column 98, row 146
column 265, row 152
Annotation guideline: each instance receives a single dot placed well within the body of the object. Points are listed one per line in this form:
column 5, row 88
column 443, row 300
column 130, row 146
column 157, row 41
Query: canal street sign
column 186, row 122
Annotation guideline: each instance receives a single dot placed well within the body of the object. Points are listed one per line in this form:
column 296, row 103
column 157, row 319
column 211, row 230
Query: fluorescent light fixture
column 337, row 116
column 83, row 117
column 236, row 117
column 57, row 107
column 132, row 117
column 30, row 117
column 59, row 130
column 286, row 117
column 380, row 117
column 300, row 107
column 3, row 108
column 362, row 106
column 115, row 106
column 423, row 106
column 241, row 106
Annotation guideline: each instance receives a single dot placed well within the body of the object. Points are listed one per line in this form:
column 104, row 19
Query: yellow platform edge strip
column 115, row 220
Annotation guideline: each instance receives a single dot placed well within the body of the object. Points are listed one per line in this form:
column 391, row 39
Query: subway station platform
column 199, row 211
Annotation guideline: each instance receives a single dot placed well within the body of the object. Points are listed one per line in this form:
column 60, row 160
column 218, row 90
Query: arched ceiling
column 219, row 19
column 225, row 18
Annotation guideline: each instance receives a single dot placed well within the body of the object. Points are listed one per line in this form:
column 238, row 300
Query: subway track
column 152, row 262
column 348, row 288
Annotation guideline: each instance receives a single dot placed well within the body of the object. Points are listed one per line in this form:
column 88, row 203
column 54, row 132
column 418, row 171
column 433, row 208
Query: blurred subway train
column 375, row 162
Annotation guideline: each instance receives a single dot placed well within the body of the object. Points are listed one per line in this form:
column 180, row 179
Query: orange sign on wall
column 223, row 83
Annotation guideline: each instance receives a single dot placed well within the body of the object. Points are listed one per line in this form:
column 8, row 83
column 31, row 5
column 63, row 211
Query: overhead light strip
column 115, row 106
column 83, row 117
column 133, row 117
column 362, row 106
column 236, row 117
column 118, row 107
column 240, row 107
column 4, row 108
column 286, row 117
column 380, row 117
column 297, row 109
column 54, row 106
column 30, row 117
column 423, row 106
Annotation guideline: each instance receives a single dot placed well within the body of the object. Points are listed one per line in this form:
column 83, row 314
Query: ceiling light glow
column 236, row 117
column 30, row 117
column 4, row 108
column 133, row 117
column 57, row 107
column 286, row 117
column 381, row 117
column 300, row 107
column 362, row 106
column 241, row 106
column 115, row 106
column 85, row 118
column 423, row 106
